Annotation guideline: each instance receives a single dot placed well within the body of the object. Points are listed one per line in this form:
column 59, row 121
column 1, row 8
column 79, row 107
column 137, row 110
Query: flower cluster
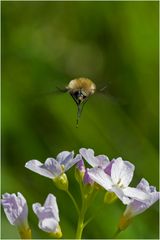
column 114, row 176
column 16, row 210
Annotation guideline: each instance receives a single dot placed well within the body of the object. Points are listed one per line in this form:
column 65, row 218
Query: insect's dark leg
column 79, row 111
column 74, row 98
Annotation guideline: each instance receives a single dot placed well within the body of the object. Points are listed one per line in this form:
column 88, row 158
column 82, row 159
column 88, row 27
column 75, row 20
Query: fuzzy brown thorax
column 85, row 85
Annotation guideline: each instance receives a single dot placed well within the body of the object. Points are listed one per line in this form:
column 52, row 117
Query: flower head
column 53, row 168
column 48, row 215
column 120, row 174
column 136, row 207
column 95, row 161
column 100, row 161
column 15, row 208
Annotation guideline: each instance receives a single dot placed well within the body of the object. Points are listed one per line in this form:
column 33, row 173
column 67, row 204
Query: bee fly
column 80, row 89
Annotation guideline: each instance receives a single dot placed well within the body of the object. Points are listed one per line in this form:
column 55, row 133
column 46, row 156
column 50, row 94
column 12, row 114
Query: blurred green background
column 44, row 46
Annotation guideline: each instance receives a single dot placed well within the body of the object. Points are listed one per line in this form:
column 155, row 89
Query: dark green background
column 45, row 45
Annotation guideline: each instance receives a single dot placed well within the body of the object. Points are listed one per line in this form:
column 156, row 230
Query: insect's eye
column 79, row 96
column 76, row 94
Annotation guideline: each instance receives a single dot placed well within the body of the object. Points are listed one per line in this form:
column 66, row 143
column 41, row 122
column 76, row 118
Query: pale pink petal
column 63, row 155
column 102, row 161
column 48, row 225
column 122, row 172
column 100, row 177
column 135, row 193
column 72, row 161
column 88, row 155
column 51, row 202
column 95, row 161
column 120, row 194
column 53, row 166
column 38, row 167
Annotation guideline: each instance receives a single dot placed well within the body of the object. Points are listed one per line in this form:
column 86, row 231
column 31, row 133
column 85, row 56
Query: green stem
column 93, row 216
column 116, row 234
column 79, row 228
column 88, row 221
column 74, row 201
column 80, row 225
column 25, row 233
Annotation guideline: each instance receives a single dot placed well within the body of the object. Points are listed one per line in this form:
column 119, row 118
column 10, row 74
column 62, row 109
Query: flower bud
column 61, row 182
column 79, row 171
column 57, row 233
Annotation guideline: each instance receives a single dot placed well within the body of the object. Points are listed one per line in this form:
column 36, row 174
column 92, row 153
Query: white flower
column 15, row 208
column 95, row 161
column 136, row 207
column 48, row 214
column 120, row 174
column 53, row 168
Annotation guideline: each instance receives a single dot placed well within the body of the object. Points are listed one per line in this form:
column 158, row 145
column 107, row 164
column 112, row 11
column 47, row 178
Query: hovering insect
column 80, row 89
